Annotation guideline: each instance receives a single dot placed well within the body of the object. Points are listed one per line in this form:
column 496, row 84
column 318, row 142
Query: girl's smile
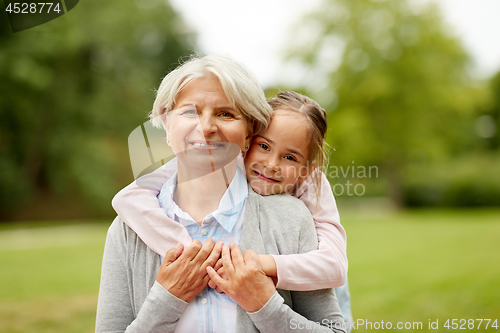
column 278, row 157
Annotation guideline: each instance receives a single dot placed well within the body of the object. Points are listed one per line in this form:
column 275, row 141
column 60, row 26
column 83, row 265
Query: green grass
column 49, row 277
column 411, row 266
column 423, row 265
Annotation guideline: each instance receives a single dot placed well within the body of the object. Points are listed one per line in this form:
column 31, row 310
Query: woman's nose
column 206, row 125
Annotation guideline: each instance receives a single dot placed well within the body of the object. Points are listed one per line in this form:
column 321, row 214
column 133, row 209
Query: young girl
column 285, row 158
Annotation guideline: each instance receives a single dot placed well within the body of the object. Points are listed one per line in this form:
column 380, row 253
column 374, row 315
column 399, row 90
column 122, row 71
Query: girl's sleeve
column 325, row 267
column 137, row 205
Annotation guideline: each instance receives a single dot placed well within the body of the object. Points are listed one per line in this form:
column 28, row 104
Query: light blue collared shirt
column 210, row 311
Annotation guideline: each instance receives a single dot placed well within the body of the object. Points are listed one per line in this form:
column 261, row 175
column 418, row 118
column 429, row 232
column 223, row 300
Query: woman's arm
column 137, row 205
column 327, row 266
column 116, row 304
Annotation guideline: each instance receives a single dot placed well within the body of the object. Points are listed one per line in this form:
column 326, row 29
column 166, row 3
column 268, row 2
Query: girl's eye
column 264, row 146
column 291, row 158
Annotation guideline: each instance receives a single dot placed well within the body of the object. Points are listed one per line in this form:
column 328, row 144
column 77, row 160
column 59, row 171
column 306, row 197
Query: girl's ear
column 306, row 171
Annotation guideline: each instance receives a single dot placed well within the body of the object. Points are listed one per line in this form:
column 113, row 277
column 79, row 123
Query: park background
column 406, row 96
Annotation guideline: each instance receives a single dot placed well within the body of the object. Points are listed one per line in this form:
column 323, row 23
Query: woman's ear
column 168, row 140
column 164, row 119
column 306, row 171
column 251, row 131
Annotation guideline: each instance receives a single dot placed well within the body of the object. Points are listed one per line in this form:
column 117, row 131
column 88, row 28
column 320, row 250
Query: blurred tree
column 397, row 80
column 72, row 90
column 488, row 124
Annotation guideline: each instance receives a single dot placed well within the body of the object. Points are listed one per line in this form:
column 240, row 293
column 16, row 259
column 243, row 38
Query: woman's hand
column 185, row 275
column 220, row 271
column 246, row 283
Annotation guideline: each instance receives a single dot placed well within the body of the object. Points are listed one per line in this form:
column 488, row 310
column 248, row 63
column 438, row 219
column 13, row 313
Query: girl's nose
column 272, row 162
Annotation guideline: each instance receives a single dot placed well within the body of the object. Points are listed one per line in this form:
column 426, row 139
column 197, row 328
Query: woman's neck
column 199, row 194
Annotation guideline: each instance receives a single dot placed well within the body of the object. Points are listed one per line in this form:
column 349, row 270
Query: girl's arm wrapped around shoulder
column 325, row 267
column 137, row 205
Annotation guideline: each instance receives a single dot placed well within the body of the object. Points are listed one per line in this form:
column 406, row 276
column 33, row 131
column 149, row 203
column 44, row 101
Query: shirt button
column 204, row 301
column 204, row 232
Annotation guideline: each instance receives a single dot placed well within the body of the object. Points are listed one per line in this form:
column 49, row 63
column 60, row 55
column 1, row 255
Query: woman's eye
column 226, row 114
column 291, row 158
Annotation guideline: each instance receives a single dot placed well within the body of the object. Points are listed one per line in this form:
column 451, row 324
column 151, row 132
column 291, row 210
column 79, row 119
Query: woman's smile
column 207, row 145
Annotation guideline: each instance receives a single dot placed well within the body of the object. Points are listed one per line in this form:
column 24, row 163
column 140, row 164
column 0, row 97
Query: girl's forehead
column 283, row 115
column 288, row 128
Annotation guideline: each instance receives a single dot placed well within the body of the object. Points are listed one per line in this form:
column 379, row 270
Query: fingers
column 198, row 252
column 236, row 255
column 211, row 283
column 220, row 271
column 192, row 250
column 251, row 259
column 219, row 282
column 173, row 254
column 226, row 260
column 218, row 264
column 214, row 255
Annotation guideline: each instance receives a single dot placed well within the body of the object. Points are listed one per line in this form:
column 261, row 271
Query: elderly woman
column 210, row 108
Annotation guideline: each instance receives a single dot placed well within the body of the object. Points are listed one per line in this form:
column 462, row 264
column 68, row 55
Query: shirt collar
column 229, row 208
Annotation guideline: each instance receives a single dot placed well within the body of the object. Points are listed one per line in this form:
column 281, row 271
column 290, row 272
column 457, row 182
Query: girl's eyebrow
column 288, row 149
column 295, row 152
column 267, row 139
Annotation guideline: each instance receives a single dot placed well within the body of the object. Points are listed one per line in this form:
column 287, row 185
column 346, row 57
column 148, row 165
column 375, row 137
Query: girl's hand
column 185, row 275
column 246, row 282
column 268, row 264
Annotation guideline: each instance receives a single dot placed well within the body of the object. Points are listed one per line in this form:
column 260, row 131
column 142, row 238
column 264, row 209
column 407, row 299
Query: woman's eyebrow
column 186, row 104
column 226, row 108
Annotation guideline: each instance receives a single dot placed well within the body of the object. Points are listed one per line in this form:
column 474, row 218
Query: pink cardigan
column 137, row 205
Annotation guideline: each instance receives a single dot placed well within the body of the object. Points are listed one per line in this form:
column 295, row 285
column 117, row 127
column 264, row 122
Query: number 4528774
column 462, row 324
column 32, row 8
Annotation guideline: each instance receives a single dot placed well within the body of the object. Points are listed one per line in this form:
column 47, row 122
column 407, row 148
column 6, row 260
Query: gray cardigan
column 130, row 299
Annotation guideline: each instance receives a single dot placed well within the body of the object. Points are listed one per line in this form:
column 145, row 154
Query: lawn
column 405, row 267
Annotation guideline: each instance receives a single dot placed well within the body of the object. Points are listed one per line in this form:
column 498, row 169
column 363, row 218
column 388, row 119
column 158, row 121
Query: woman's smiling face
column 205, row 129
column 278, row 157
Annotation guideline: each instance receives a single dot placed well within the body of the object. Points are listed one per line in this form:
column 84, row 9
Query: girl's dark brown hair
column 316, row 122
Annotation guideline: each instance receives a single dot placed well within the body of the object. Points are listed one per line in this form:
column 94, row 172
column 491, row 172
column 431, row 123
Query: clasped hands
column 185, row 273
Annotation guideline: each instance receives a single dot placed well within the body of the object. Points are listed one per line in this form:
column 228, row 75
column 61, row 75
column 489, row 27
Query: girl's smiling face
column 278, row 157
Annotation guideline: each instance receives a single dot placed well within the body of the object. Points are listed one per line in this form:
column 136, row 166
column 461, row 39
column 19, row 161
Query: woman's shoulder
column 123, row 237
column 285, row 223
column 281, row 207
column 282, row 202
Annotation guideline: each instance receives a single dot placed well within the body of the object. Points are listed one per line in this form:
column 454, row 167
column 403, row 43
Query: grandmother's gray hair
column 239, row 84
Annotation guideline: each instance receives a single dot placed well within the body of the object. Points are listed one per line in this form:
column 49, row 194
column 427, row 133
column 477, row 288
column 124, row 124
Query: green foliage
column 471, row 180
column 421, row 265
column 73, row 89
column 401, row 89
